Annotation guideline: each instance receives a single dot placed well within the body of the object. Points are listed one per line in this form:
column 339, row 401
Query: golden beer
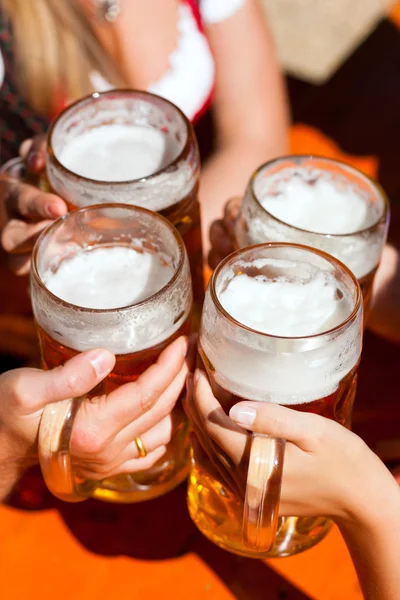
column 321, row 203
column 312, row 306
column 218, row 512
column 143, row 256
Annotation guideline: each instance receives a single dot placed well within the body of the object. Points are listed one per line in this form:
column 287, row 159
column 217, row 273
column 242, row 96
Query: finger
column 24, row 200
column 211, row 457
column 100, row 422
column 36, row 155
column 20, row 265
column 214, row 258
column 231, row 212
column 159, row 435
column 132, row 400
column 19, row 237
column 32, row 389
column 163, row 407
column 204, row 461
column 25, row 147
column 219, row 238
column 296, row 426
column 229, row 437
column 134, row 465
column 115, row 452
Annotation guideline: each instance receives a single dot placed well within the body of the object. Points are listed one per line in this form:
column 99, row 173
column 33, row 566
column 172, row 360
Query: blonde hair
column 55, row 50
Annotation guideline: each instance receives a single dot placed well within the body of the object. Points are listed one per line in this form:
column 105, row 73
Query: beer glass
column 321, row 203
column 281, row 323
column 133, row 148
column 115, row 277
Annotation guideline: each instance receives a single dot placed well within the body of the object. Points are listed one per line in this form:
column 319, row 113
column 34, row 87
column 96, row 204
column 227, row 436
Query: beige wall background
column 314, row 37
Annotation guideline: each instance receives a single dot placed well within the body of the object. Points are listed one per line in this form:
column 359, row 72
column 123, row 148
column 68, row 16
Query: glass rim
column 374, row 184
column 120, row 92
column 142, row 303
column 358, row 305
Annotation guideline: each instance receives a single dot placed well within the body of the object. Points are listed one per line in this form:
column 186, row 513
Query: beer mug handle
column 263, row 489
column 15, row 167
column 54, row 452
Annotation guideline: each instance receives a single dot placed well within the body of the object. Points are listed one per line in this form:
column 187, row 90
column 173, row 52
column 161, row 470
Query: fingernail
column 196, row 375
column 244, row 415
column 101, row 362
column 52, row 211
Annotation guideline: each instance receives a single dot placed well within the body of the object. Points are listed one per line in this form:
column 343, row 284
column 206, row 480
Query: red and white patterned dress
column 188, row 81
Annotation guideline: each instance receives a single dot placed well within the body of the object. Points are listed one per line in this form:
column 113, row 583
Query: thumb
column 276, row 421
column 75, row 378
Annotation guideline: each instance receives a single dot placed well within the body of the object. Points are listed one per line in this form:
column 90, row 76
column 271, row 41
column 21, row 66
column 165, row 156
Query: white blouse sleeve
column 215, row 11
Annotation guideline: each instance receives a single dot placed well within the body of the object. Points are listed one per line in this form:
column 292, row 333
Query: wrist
column 370, row 503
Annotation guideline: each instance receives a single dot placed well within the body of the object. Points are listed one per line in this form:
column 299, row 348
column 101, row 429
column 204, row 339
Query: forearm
column 227, row 173
column 373, row 539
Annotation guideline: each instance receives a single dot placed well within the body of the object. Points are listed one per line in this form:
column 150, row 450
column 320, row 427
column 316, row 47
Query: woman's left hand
column 222, row 233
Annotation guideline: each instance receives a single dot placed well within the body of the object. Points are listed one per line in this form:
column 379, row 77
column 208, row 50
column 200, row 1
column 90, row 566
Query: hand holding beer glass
column 317, row 202
column 128, row 147
column 281, row 323
column 116, row 277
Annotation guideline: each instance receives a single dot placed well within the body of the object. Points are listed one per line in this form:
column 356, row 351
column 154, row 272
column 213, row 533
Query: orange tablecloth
column 98, row 551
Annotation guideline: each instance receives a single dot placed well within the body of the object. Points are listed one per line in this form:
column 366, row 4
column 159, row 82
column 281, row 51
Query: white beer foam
column 278, row 369
column 319, row 207
column 329, row 215
column 284, row 308
column 119, row 152
column 110, row 278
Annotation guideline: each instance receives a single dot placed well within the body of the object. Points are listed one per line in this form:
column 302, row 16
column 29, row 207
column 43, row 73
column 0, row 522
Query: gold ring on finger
column 140, row 446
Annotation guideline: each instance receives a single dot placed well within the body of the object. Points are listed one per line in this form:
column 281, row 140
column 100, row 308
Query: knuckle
column 74, row 383
column 20, row 397
column 319, row 428
column 147, row 400
column 277, row 423
column 87, row 441
column 104, row 469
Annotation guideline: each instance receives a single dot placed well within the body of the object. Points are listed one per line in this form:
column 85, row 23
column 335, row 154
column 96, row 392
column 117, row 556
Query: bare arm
column 373, row 540
column 250, row 106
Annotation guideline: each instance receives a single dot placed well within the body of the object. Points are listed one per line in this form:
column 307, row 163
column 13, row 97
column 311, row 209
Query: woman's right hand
column 25, row 210
column 105, row 427
column 327, row 471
